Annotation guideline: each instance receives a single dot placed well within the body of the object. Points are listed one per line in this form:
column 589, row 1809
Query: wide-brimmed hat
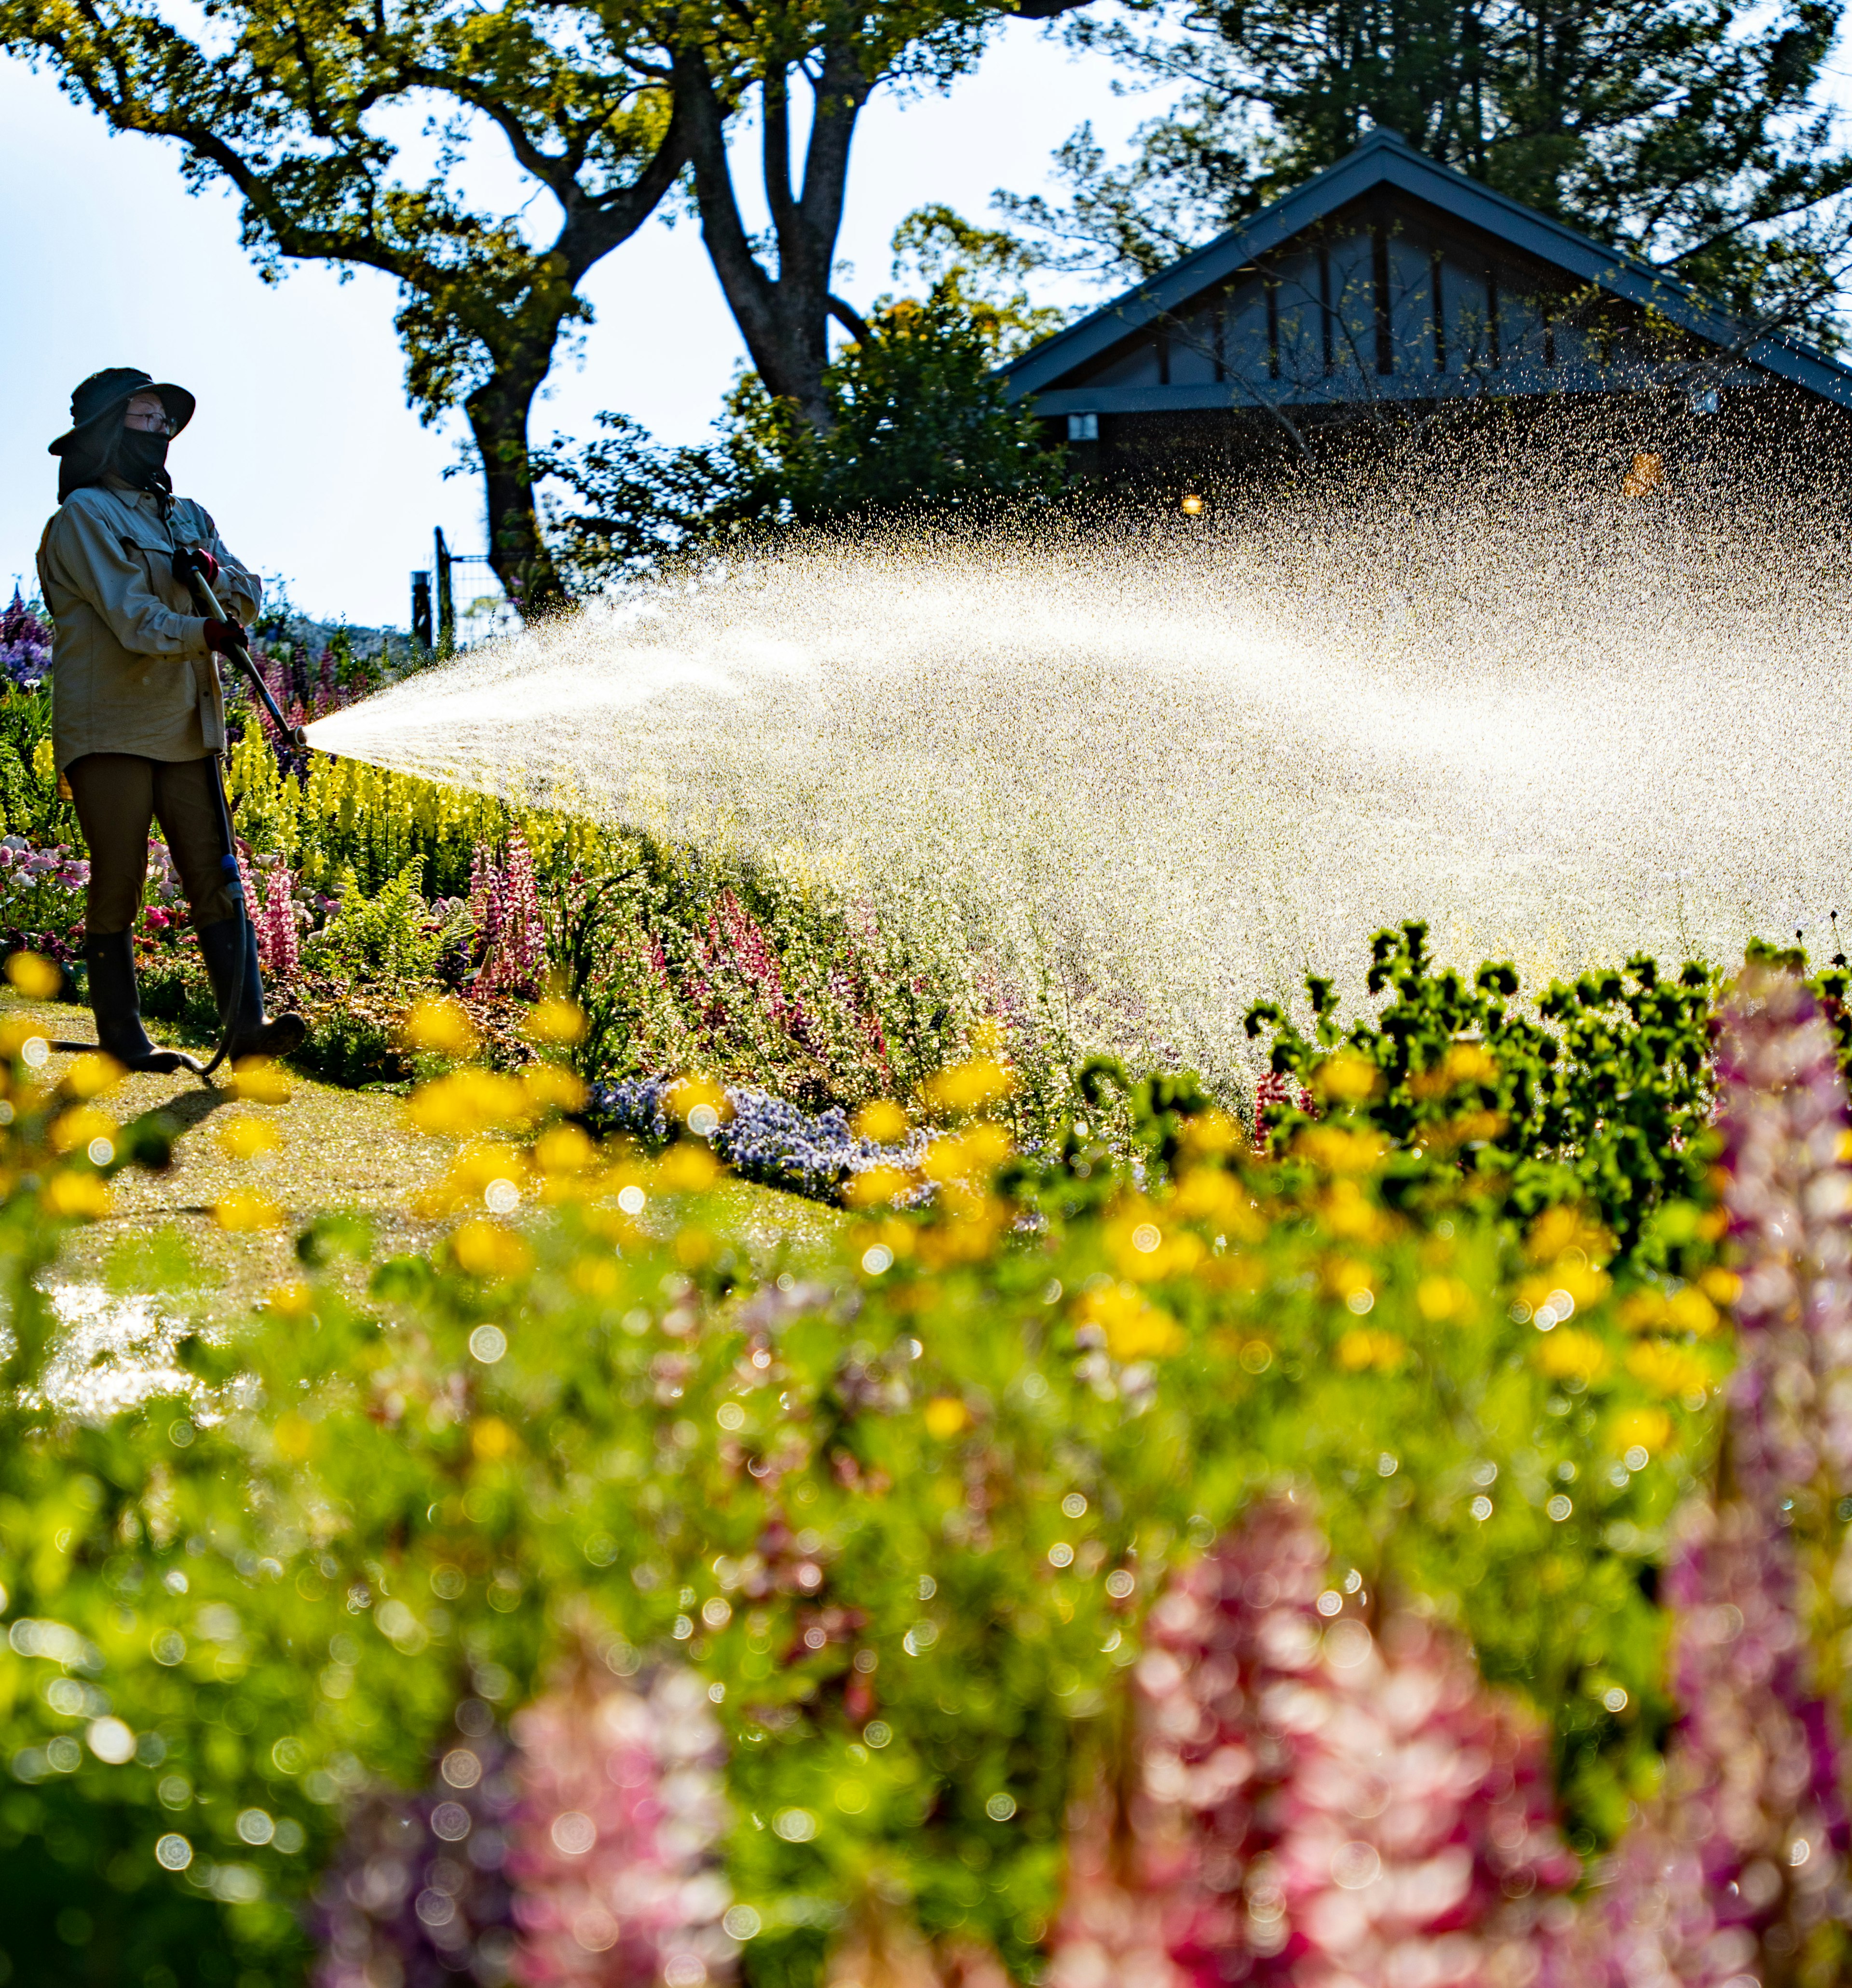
column 106, row 393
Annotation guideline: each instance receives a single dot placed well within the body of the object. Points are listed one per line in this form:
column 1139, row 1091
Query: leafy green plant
column 1604, row 1092
column 390, row 936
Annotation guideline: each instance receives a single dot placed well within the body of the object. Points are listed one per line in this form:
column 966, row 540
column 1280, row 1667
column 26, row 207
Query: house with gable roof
column 1388, row 287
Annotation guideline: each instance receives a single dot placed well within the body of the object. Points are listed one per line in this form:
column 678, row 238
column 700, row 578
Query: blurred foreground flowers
column 1328, row 1567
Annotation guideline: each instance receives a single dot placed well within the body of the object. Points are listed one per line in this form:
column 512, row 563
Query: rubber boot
column 229, row 948
column 115, row 1001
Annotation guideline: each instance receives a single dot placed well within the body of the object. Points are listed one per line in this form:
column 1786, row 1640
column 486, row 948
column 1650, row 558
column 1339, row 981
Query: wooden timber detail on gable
column 1391, row 278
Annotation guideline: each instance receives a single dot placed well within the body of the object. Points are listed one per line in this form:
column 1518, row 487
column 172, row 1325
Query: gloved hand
column 191, row 560
column 223, row 636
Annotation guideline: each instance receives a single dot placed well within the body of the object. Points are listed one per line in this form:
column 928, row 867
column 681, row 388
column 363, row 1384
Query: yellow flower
column 34, row 976
column 1651, row 1428
column 1338, row 1151
column 72, row 1131
column 93, row 1074
column 1348, row 1213
column 467, row 1101
column 487, row 1249
column 1207, row 1193
column 1465, row 1063
column 977, row 1152
column 597, row 1276
column 294, row 1300
column 1644, row 1310
column 1364, row 1347
column 1436, row 1298
column 240, row 1210
column 882, row 1120
column 945, row 1416
column 1567, row 1355
column 687, row 1094
column 1144, row 1250
column 1690, row 1311
column 442, row 1027
column 76, row 1194
column 1721, row 1287
column 551, row 1085
column 257, row 1080
column 491, row 1439
column 1346, row 1078
column 1566, row 1227
column 1135, row 1329
column 687, row 1167
column 966, row 1087
column 1346, row 1278
column 294, row 1437
column 1571, row 1273
column 565, row 1149
column 878, row 1184
column 556, row 1020
column 1667, row 1369
column 1213, row 1134
column 244, row 1138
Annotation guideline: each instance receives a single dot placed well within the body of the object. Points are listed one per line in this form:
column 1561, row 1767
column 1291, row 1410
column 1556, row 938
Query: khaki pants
column 118, row 796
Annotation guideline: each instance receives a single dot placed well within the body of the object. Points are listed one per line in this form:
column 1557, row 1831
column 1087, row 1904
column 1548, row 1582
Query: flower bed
column 1301, row 1568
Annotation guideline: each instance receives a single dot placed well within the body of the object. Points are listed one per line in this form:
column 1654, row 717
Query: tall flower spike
column 1786, row 1138
column 278, row 953
column 613, row 1855
column 416, row 1894
column 1745, row 1857
column 1359, row 1809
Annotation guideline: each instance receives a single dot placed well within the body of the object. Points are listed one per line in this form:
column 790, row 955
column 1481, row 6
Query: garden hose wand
column 240, row 653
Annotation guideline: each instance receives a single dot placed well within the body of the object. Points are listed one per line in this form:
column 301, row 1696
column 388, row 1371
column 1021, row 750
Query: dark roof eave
column 1384, row 159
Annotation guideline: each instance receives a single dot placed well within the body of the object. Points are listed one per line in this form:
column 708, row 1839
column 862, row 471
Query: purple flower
column 417, row 1895
column 26, row 643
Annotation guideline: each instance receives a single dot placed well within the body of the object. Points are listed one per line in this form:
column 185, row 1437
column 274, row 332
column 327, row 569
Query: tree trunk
column 784, row 320
column 498, row 411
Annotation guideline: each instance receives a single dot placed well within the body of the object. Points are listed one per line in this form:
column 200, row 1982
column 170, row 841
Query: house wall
column 1389, row 299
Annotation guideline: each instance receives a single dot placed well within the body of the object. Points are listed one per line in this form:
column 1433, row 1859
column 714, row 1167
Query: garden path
column 161, row 1264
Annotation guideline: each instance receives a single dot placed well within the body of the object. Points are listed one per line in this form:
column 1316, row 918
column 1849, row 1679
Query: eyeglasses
column 150, row 420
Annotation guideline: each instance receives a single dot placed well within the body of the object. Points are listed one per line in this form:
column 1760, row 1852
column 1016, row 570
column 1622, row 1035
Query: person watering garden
column 138, row 717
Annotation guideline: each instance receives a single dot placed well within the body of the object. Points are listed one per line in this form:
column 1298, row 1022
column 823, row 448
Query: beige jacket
column 130, row 672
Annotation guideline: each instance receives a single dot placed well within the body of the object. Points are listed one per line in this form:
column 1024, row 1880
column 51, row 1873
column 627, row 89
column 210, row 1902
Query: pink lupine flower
column 1746, row 1851
column 1737, row 1857
column 1333, row 1802
column 485, row 895
column 614, row 1850
column 276, row 927
column 1783, row 1116
column 752, row 954
column 245, row 884
column 506, row 904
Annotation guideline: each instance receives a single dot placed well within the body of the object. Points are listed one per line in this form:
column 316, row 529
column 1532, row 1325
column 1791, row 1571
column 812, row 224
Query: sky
column 302, row 448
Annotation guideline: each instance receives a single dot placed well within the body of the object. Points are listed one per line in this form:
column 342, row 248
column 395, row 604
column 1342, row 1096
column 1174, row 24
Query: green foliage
column 1605, row 1095
column 387, row 937
column 29, row 801
column 918, row 417
column 1698, row 139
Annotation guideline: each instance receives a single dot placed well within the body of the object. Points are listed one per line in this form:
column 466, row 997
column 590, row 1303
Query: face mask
column 141, row 459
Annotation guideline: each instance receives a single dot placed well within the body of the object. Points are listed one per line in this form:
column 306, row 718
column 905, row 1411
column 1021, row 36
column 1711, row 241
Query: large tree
column 310, row 110
column 826, row 60
column 1688, row 132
